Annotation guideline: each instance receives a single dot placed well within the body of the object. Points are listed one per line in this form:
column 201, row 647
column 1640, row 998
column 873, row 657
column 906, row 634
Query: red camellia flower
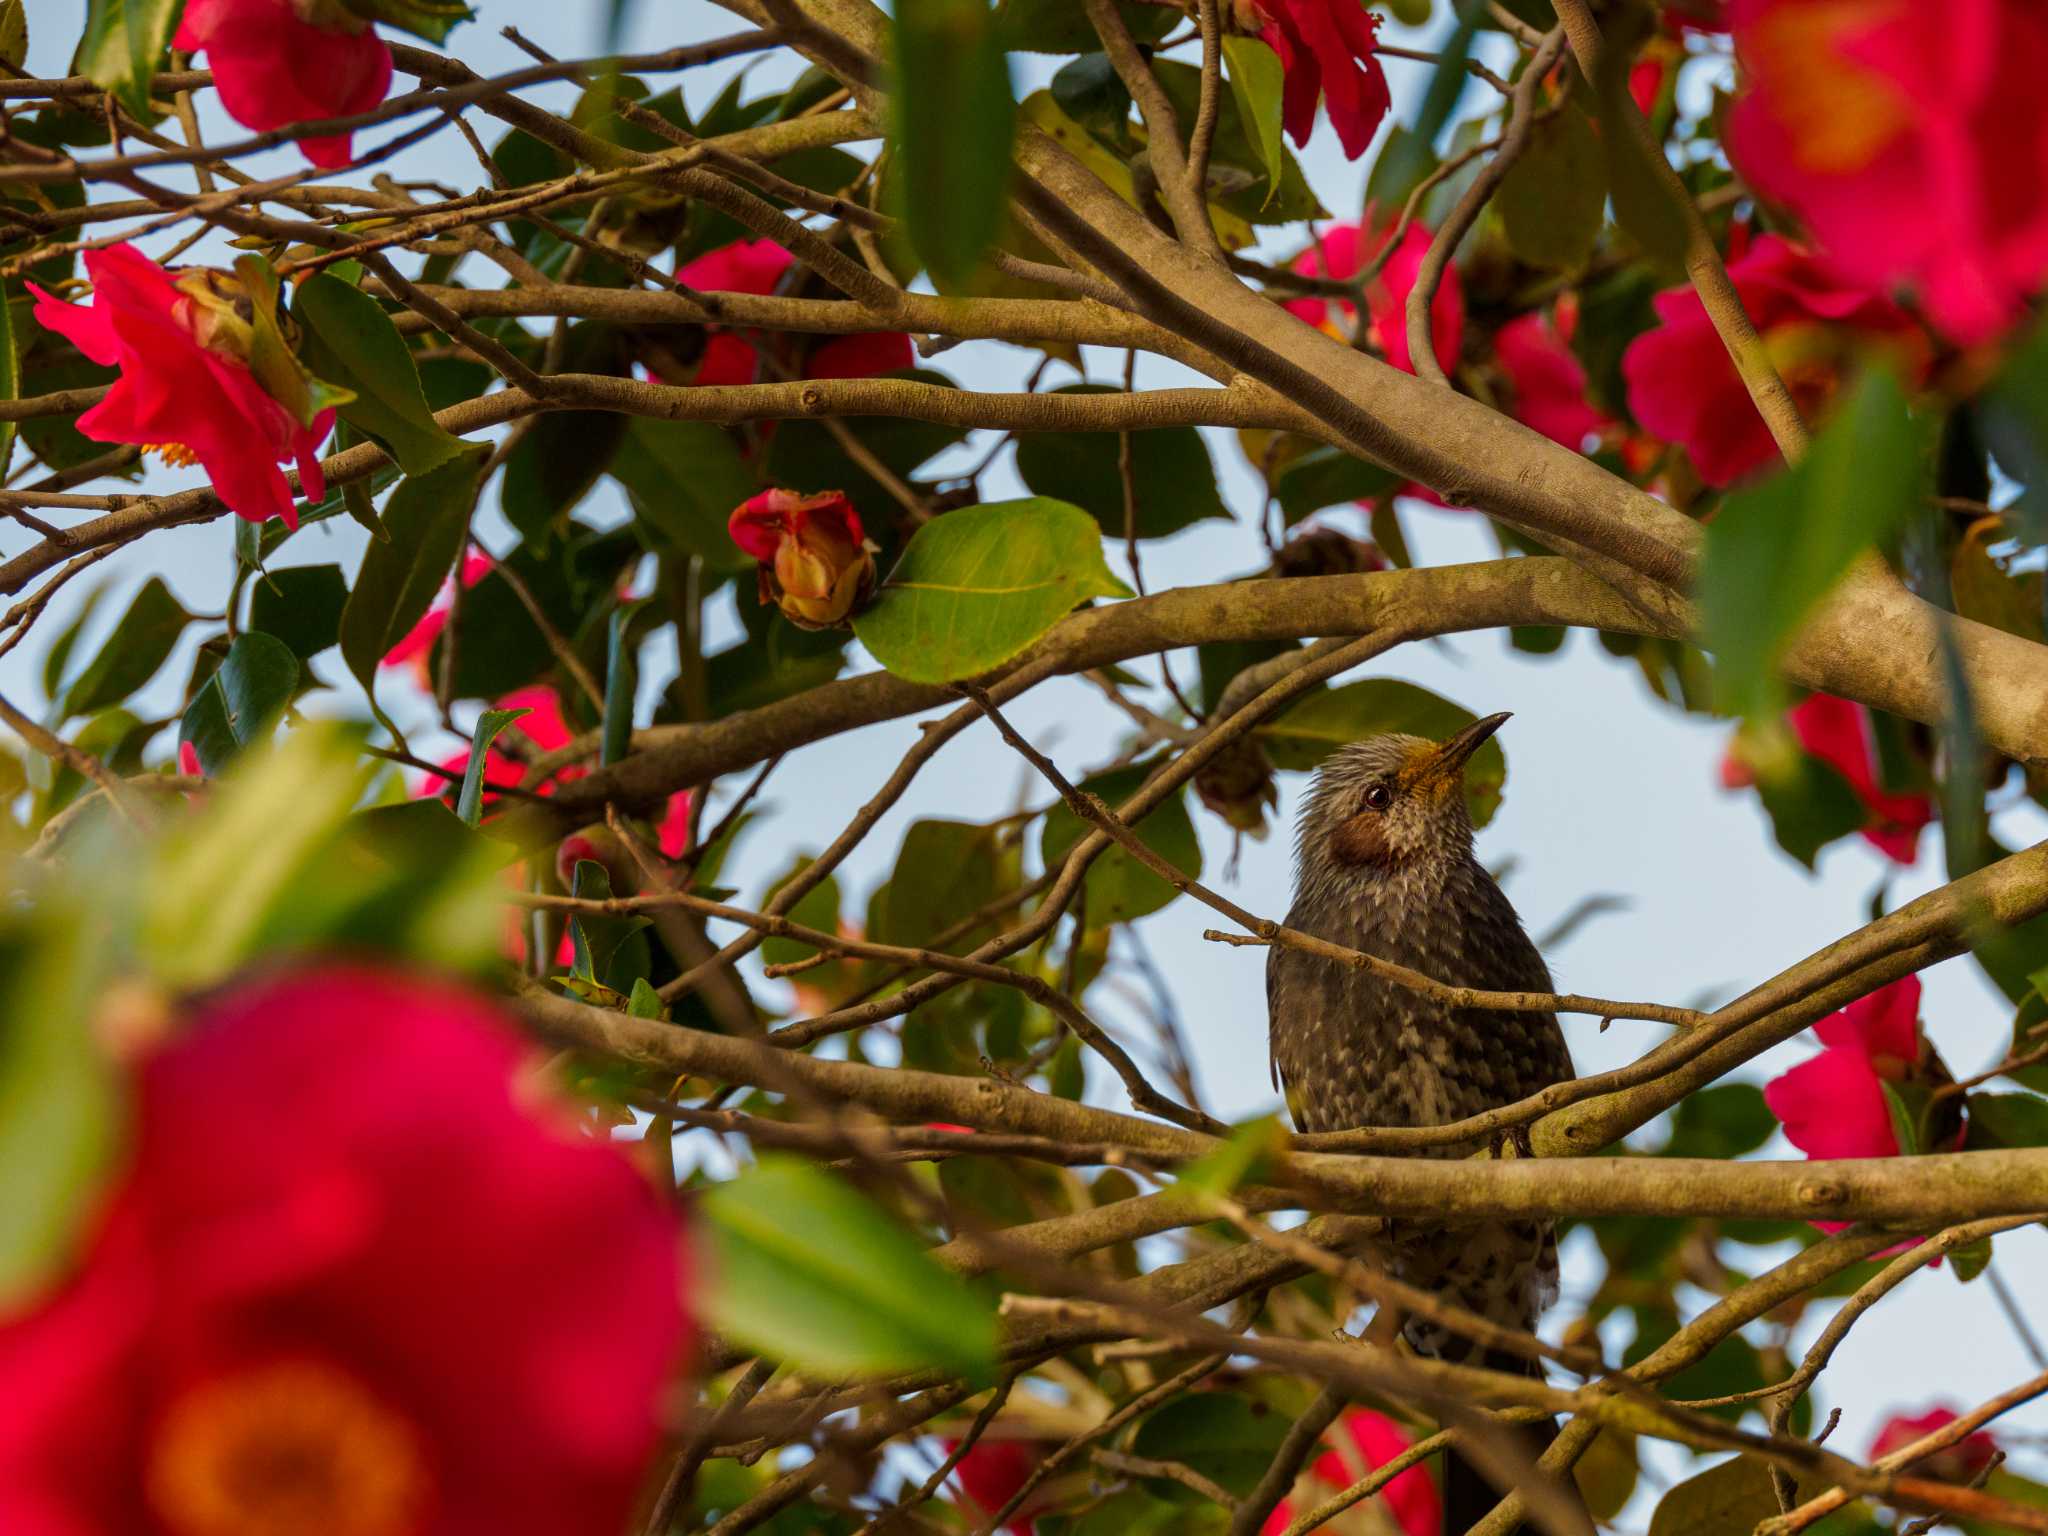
column 276, row 62
column 1327, row 49
column 757, row 266
column 1815, row 323
column 1958, row 1464
column 1547, row 382
column 1910, row 150
column 1837, row 731
column 353, row 1281
column 207, row 376
column 1411, row 1497
column 1834, row 1106
column 1341, row 250
column 993, row 1470
column 815, row 560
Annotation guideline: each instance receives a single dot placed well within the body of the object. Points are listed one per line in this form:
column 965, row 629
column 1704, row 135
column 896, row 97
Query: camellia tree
column 398, row 1143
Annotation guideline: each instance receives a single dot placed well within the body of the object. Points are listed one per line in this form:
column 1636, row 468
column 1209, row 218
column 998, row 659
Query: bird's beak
column 1448, row 766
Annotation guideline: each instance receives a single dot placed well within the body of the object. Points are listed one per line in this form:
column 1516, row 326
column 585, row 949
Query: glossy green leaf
column 1171, row 474
column 349, row 340
column 2008, row 1120
column 241, row 701
column 469, row 804
column 1240, row 181
column 977, row 586
column 805, row 1269
column 1257, row 82
column 1773, row 552
column 1118, row 887
column 621, row 685
column 1554, row 200
column 686, row 478
column 123, row 43
column 140, row 644
column 427, row 518
column 1323, row 722
column 431, row 19
column 954, row 114
column 301, row 605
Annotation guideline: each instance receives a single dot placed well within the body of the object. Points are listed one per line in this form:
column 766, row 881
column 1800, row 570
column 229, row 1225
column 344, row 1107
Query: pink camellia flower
column 1958, row 1464
column 297, row 1310
column 277, row 62
column 1411, row 1497
column 418, row 642
column 1905, row 147
column 207, row 375
column 1837, row 731
column 757, row 266
column 815, row 561
column 1816, row 325
column 1341, row 250
column 1546, row 381
column 1328, row 49
column 993, row 1470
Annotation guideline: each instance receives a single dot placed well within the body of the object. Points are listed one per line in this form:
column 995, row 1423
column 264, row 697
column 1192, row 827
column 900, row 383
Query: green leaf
column 1810, row 805
column 1772, row 553
column 59, row 654
column 10, row 360
column 1324, row 477
column 301, row 605
column 1089, row 90
column 2014, row 416
column 1323, row 722
column 1118, row 887
column 1060, row 26
column 1248, row 1156
column 1171, row 474
column 685, row 479
column 427, row 518
column 954, row 114
column 1239, row 182
column 1256, row 81
column 123, row 43
column 1554, row 201
column 1729, row 1499
column 241, row 701
column 13, row 53
column 1970, row 1260
column 431, row 19
column 140, row 644
column 805, row 1269
column 977, row 586
column 1724, row 1122
column 469, row 804
column 1407, row 159
column 646, row 1003
column 349, row 340
column 621, row 684
column 945, row 870
column 1231, row 1438
column 2008, row 1120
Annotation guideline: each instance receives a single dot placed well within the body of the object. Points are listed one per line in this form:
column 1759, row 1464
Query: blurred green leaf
column 954, row 114
column 349, row 340
column 1172, row 476
column 1727, row 1121
column 300, row 605
column 14, row 54
column 1323, row 477
column 1606, row 1474
column 1773, row 552
column 564, row 452
column 431, row 19
column 10, row 360
column 140, row 644
column 1728, row 1499
column 2013, row 414
column 621, row 684
column 1118, row 887
column 2008, row 1120
column 241, row 702
column 1245, row 1158
column 977, row 586
column 945, row 870
column 58, row 657
column 122, row 45
column 1231, row 1438
column 1060, row 26
column 1554, row 200
column 1323, row 722
column 807, row 1270
column 686, row 478
column 427, row 518
column 1410, row 157
column 1089, row 90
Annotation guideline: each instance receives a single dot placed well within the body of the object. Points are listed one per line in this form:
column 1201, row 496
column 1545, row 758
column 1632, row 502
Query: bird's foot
column 1511, row 1141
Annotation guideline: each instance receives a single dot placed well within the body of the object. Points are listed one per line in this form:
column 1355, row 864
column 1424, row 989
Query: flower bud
column 815, row 562
column 1237, row 784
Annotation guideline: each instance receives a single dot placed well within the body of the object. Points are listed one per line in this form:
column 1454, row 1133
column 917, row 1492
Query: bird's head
column 1389, row 801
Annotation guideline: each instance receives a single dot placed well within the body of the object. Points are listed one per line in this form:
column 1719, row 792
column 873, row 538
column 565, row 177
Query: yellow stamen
column 177, row 455
column 291, row 1448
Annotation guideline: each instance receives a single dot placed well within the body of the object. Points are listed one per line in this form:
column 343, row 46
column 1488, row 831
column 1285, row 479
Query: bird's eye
column 1379, row 797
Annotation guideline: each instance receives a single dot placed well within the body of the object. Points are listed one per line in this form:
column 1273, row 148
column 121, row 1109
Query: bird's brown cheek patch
column 1361, row 840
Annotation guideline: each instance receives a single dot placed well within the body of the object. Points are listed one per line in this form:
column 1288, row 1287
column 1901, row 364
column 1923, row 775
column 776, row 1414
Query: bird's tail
column 1469, row 1495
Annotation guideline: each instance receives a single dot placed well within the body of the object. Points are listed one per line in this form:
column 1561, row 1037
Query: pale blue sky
column 1609, row 791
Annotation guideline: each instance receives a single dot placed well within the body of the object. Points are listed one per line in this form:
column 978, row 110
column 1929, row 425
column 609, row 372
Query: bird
column 1384, row 864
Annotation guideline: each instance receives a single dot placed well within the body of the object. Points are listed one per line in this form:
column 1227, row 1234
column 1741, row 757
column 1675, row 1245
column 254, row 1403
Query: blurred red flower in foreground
column 1815, row 325
column 991, row 1473
column 1341, row 250
column 1376, row 1440
column 1958, row 1464
column 1327, row 49
column 757, row 266
column 206, row 376
column 289, row 61
column 815, row 561
column 353, row 1281
column 1910, row 150
column 1838, row 732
